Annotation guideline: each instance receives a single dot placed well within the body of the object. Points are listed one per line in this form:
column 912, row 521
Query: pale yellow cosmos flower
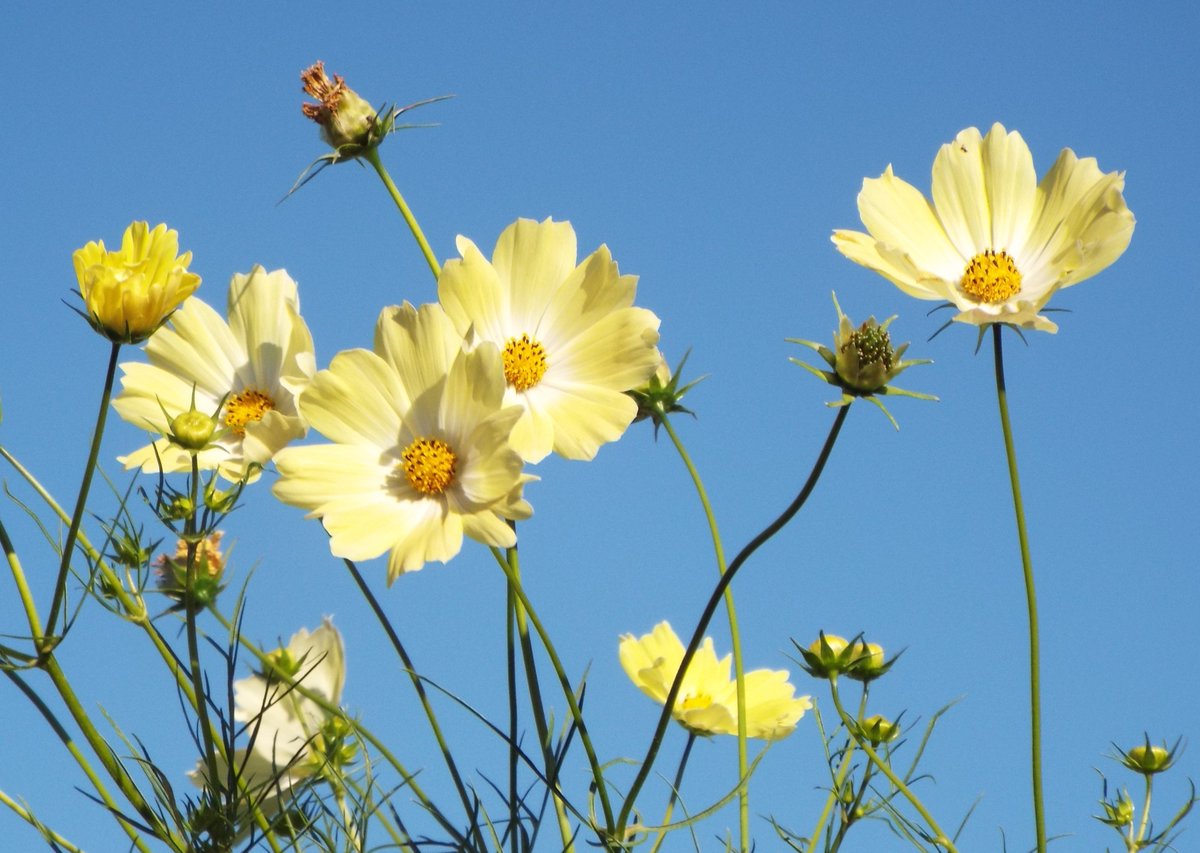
column 251, row 368
column 995, row 242
column 571, row 340
column 129, row 293
column 707, row 700
column 420, row 453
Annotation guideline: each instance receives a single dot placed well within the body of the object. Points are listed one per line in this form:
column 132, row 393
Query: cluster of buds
column 204, row 584
column 862, row 362
column 829, row 656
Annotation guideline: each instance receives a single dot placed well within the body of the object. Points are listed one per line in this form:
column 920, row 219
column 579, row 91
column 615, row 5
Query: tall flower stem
column 47, row 642
column 419, row 687
column 675, row 786
column 735, row 635
column 372, row 157
column 193, row 641
column 1035, row 700
column 714, row 600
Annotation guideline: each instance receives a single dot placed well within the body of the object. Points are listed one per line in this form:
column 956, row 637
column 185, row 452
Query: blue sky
column 713, row 151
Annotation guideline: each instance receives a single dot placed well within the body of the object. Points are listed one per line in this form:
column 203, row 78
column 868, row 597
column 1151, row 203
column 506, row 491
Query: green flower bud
column 662, row 393
column 1118, row 811
column 1148, row 759
column 879, row 729
column 868, row 663
column 826, row 656
column 192, row 430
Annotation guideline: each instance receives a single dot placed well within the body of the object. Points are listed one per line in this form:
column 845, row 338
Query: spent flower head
column 207, row 572
column 130, row 292
column 862, row 362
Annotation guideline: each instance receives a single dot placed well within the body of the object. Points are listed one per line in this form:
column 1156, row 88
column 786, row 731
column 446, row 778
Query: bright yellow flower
column 420, row 453
column 994, row 242
column 251, row 368
column 129, row 293
column 572, row 343
column 707, row 700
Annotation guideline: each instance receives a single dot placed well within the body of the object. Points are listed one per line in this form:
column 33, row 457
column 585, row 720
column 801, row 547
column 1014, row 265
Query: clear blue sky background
column 713, row 149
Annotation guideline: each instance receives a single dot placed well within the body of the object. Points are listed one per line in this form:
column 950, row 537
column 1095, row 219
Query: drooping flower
column 995, row 243
column 293, row 738
column 129, row 293
column 707, row 700
column 420, row 451
column 571, row 340
column 250, row 369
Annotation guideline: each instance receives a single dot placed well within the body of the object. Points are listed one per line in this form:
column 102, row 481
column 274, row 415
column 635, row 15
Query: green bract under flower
column 862, row 361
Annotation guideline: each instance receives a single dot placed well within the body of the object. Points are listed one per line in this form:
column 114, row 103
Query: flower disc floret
column 995, row 242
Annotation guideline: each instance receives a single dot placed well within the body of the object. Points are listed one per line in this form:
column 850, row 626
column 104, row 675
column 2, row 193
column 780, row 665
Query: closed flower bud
column 1148, row 759
column 827, row 656
column 192, row 430
column 662, row 393
column 879, row 729
column 868, row 662
column 1118, row 811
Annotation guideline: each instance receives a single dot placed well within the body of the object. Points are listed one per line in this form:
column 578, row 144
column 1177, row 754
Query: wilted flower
column 571, row 341
column 863, row 361
column 209, row 565
column 707, row 699
column 248, row 371
column 420, row 451
column 995, row 243
column 129, row 293
column 345, row 118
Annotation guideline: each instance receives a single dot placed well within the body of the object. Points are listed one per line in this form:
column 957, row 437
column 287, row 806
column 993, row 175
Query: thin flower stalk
column 675, row 786
column 27, row 816
column 372, row 157
column 45, row 642
column 710, row 609
column 734, row 633
column 1035, row 700
column 193, row 642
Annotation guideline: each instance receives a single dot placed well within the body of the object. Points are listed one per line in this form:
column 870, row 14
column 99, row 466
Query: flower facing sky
column 571, row 341
column 707, row 700
column 129, row 293
column 292, row 737
column 251, row 369
column 420, row 451
column 994, row 242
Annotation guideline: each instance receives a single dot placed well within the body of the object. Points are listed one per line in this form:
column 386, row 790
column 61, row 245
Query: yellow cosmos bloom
column 129, row 293
column 420, row 452
column 251, row 368
column 995, row 242
column 571, row 341
column 707, row 700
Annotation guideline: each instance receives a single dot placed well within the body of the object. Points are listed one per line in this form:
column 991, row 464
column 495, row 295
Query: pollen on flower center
column 429, row 464
column 991, row 277
column 695, row 702
column 246, row 408
column 524, row 362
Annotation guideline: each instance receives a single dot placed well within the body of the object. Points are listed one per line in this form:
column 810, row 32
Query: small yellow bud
column 1148, row 759
column 879, row 729
column 192, row 430
column 827, row 655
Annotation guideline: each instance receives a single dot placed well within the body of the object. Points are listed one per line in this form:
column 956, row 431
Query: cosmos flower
column 995, row 243
column 420, row 451
column 129, row 293
column 707, row 700
column 250, row 369
column 572, row 342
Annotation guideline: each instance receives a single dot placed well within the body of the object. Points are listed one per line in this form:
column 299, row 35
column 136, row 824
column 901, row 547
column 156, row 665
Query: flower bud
column 192, row 430
column 868, row 662
column 1118, row 811
column 879, row 729
column 661, row 394
column 129, row 293
column 1148, row 759
column 826, row 656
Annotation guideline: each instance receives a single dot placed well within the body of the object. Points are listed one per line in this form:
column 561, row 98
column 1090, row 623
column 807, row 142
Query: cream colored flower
column 994, row 242
column 572, row 343
column 129, row 293
column 251, row 368
column 420, row 451
column 707, row 700
column 286, row 730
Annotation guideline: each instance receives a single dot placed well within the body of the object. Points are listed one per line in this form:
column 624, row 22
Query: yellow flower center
column 696, row 701
column 429, row 465
column 991, row 277
column 524, row 362
column 246, row 408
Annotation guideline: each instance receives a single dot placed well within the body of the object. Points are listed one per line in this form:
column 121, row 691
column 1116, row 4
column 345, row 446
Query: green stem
column 1145, row 811
column 1035, row 700
column 47, row 833
column 372, row 157
column 839, row 779
column 675, row 786
column 44, row 643
column 710, row 608
column 735, row 634
column 18, row 573
column 513, row 723
column 419, row 687
column 940, row 837
column 193, row 643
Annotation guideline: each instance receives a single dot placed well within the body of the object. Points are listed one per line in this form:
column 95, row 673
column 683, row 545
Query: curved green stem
column 1145, row 811
column 193, row 643
column 1035, row 700
column 710, row 608
column 422, row 696
column 940, row 837
column 47, row 833
column 45, row 644
column 372, row 157
column 734, row 633
column 675, row 786
column 23, row 591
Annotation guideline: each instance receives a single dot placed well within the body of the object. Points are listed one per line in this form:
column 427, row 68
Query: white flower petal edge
column 987, row 199
column 266, row 348
column 585, row 344
column 419, row 402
